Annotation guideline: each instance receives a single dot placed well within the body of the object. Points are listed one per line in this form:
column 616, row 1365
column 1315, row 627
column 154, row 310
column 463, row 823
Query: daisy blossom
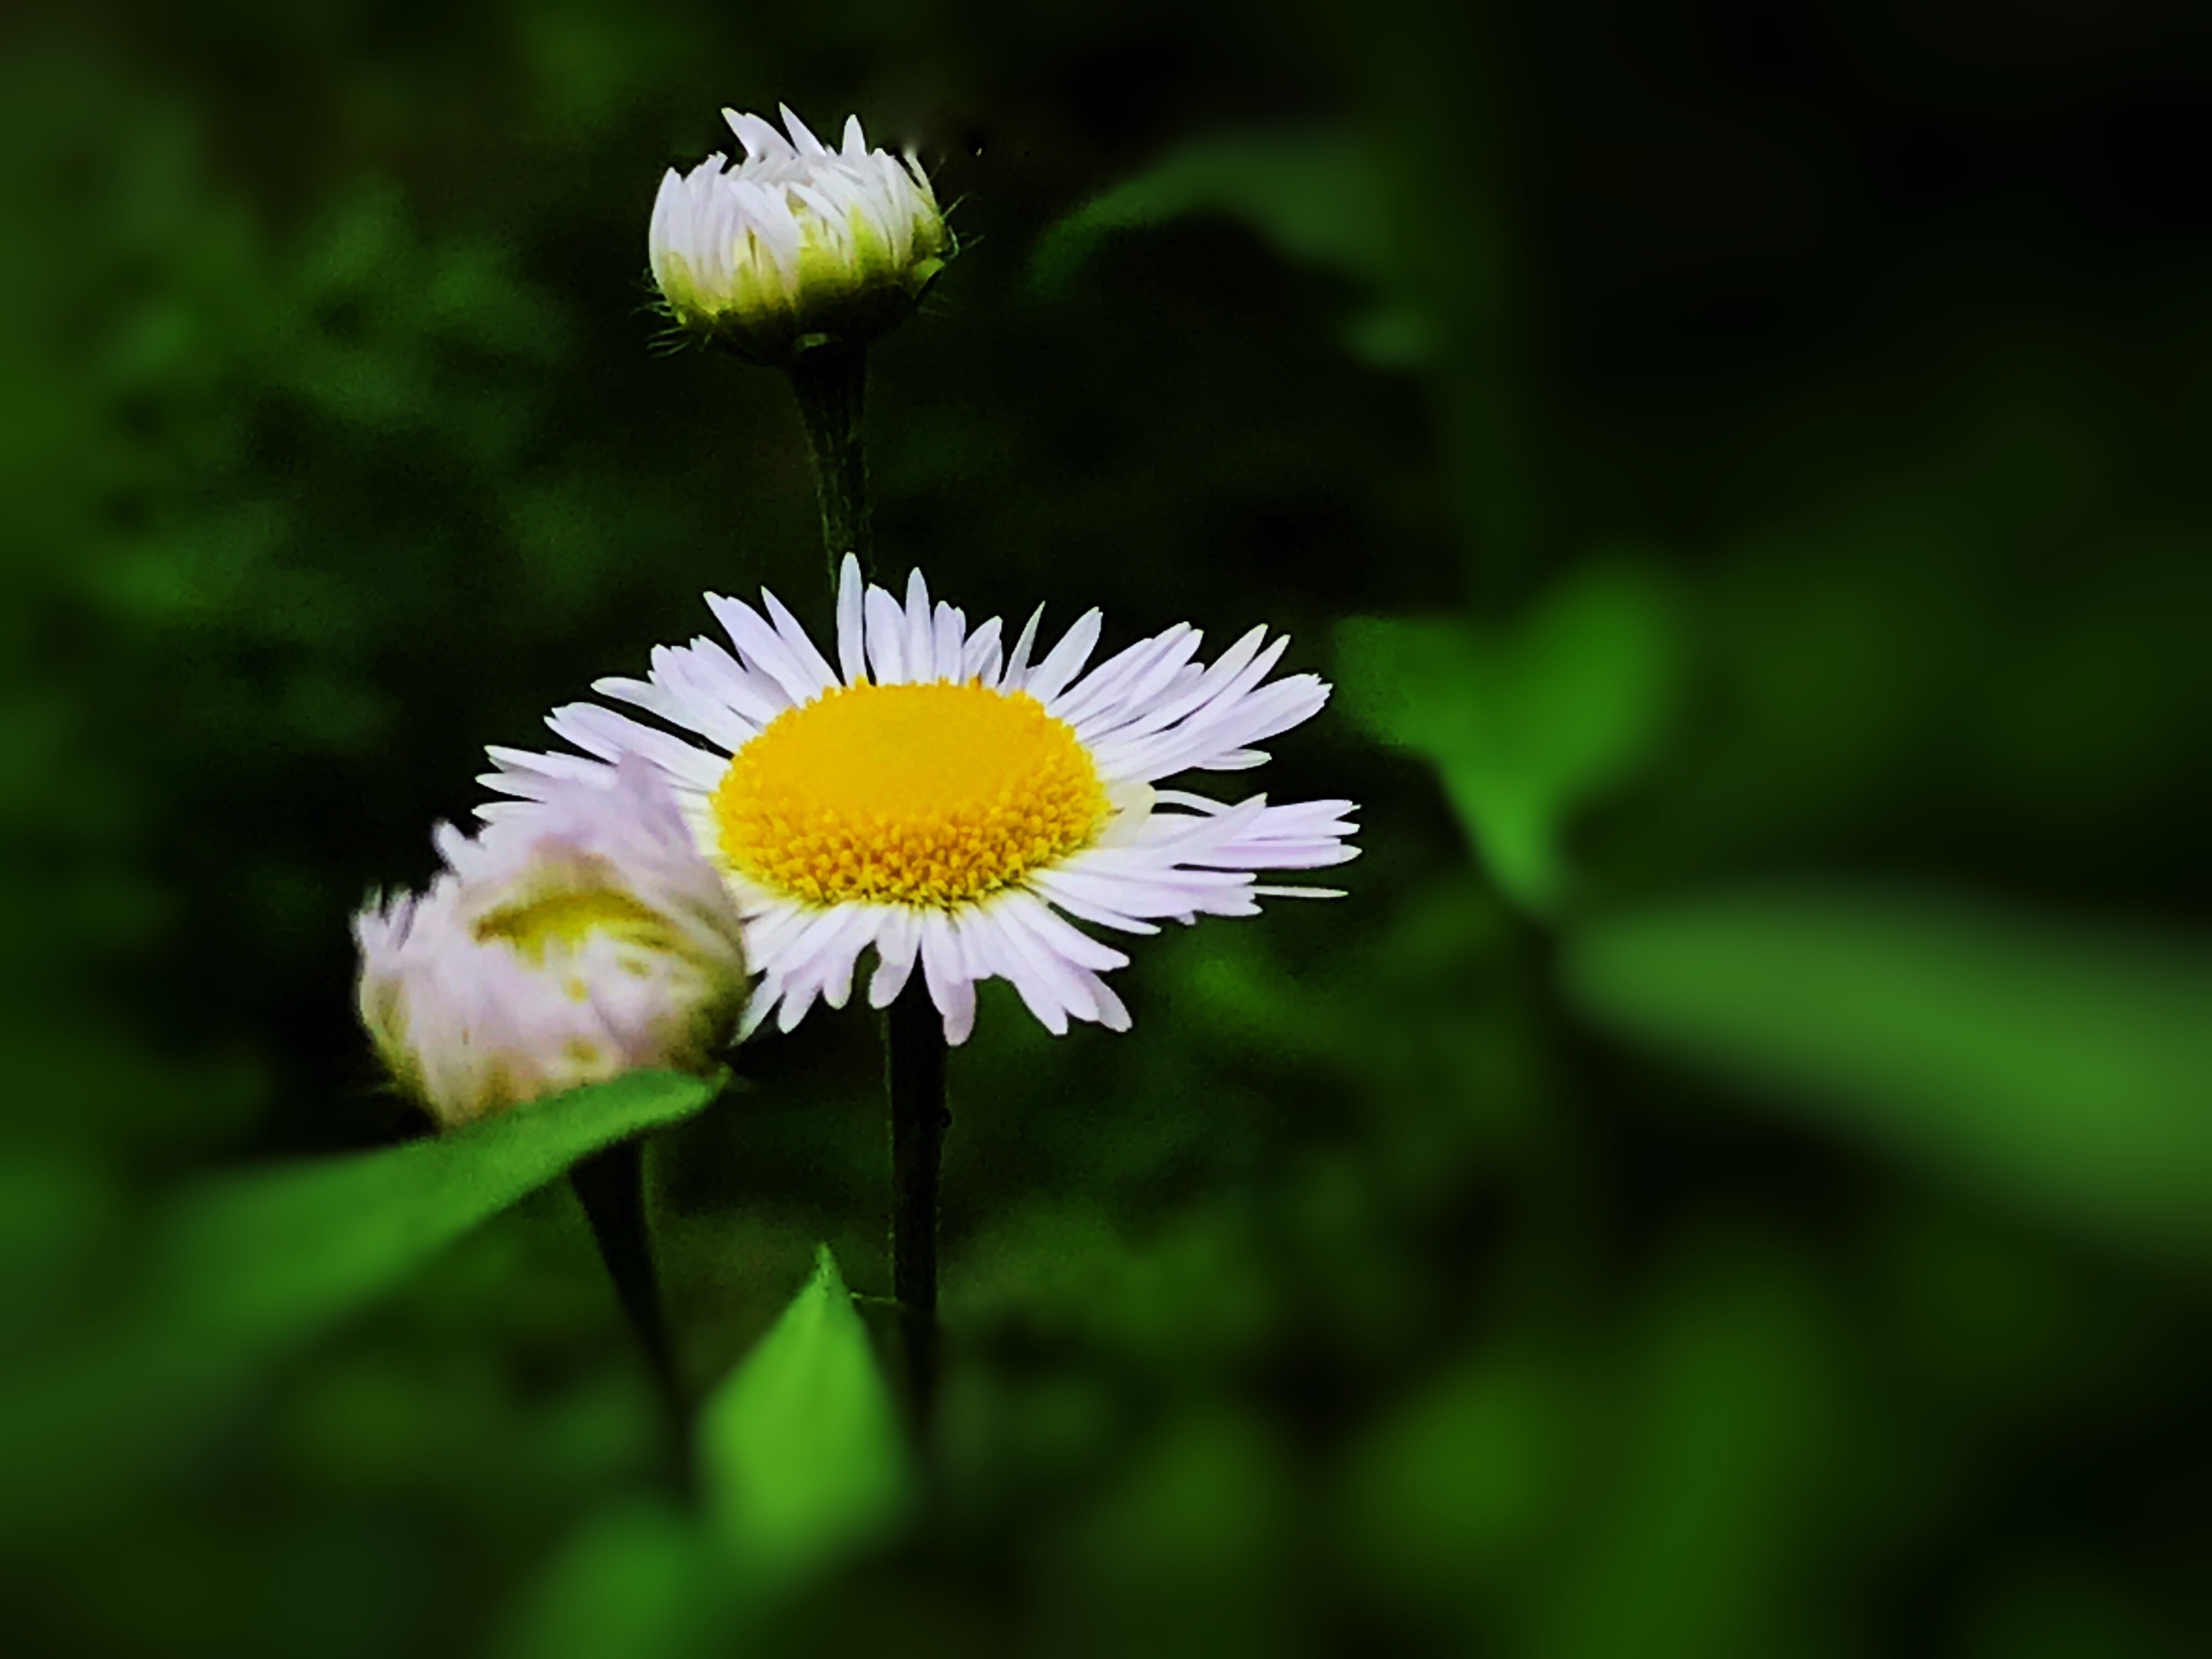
column 948, row 803
column 588, row 940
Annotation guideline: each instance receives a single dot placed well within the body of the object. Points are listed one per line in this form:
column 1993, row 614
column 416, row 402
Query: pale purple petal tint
column 587, row 939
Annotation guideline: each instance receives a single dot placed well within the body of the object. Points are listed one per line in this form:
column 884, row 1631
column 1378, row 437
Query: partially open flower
column 798, row 245
column 564, row 945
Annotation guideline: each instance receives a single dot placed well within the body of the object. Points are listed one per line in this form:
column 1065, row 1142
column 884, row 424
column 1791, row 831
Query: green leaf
column 635, row 1578
column 2068, row 1069
column 1528, row 724
column 248, row 1267
column 801, row 1458
column 1315, row 197
column 272, row 1255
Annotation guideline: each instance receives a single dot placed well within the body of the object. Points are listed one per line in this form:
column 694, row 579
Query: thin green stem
column 611, row 1184
column 830, row 382
column 913, row 1076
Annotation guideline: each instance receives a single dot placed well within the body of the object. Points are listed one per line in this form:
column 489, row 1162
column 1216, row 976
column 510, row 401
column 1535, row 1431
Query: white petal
column 1113, row 1012
column 886, row 637
column 705, row 669
column 758, row 137
column 610, row 736
column 1070, row 944
column 711, row 718
column 851, row 652
column 788, row 630
column 1074, row 901
column 920, row 658
column 1017, row 664
column 980, row 660
column 897, row 944
column 944, row 969
column 950, row 635
column 1051, row 676
column 761, row 649
column 805, row 143
column 1033, row 981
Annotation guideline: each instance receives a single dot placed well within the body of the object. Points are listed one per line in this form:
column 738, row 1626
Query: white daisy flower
column 943, row 801
column 589, row 940
column 797, row 244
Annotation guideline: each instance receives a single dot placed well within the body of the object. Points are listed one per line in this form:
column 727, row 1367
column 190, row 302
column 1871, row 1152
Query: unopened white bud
column 798, row 245
column 577, row 938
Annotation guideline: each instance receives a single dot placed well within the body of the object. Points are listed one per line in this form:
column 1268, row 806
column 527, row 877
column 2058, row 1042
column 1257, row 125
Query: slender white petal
column 1066, row 660
column 886, row 638
column 979, row 660
column 851, row 652
column 801, row 648
column 1017, row 664
column 760, row 650
column 949, row 635
column 919, row 638
column 944, row 967
column 896, row 944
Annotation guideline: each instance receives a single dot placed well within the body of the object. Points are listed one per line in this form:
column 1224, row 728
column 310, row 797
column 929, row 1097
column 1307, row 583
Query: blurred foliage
column 801, row 1463
column 1526, row 727
column 1729, row 1179
column 241, row 1269
column 2074, row 1070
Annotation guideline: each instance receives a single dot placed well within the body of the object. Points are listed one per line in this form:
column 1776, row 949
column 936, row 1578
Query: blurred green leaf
column 1315, row 197
column 267, row 1257
column 1526, row 724
column 801, row 1464
column 801, row 1458
column 1457, row 1487
column 1724, row 1457
column 635, row 1579
column 2068, row 1068
column 246, row 1268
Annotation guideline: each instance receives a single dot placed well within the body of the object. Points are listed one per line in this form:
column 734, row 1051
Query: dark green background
column 1430, row 1270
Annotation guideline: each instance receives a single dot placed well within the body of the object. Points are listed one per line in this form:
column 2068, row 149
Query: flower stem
column 914, row 1074
column 830, row 382
column 611, row 1185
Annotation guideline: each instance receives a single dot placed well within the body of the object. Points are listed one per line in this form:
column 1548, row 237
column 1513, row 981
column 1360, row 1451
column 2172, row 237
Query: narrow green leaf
column 268, row 1255
column 2071, row 1070
column 1527, row 725
column 246, row 1268
column 801, row 1458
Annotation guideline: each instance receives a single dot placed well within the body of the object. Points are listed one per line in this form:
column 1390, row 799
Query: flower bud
column 798, row 245
column 576, row 938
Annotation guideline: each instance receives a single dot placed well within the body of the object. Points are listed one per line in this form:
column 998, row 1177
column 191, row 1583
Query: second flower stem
column 611, row 1185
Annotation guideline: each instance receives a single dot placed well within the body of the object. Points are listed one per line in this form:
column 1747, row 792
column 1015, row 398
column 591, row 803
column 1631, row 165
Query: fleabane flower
column 945, row 802
column 590, row 939
column 797, row 244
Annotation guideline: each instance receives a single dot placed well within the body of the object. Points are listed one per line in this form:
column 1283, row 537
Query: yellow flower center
column 925, row 795
column 566, row 907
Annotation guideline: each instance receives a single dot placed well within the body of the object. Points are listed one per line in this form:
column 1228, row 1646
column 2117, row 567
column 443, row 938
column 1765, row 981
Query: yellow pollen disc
column 924, row 795
column 566, row 916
